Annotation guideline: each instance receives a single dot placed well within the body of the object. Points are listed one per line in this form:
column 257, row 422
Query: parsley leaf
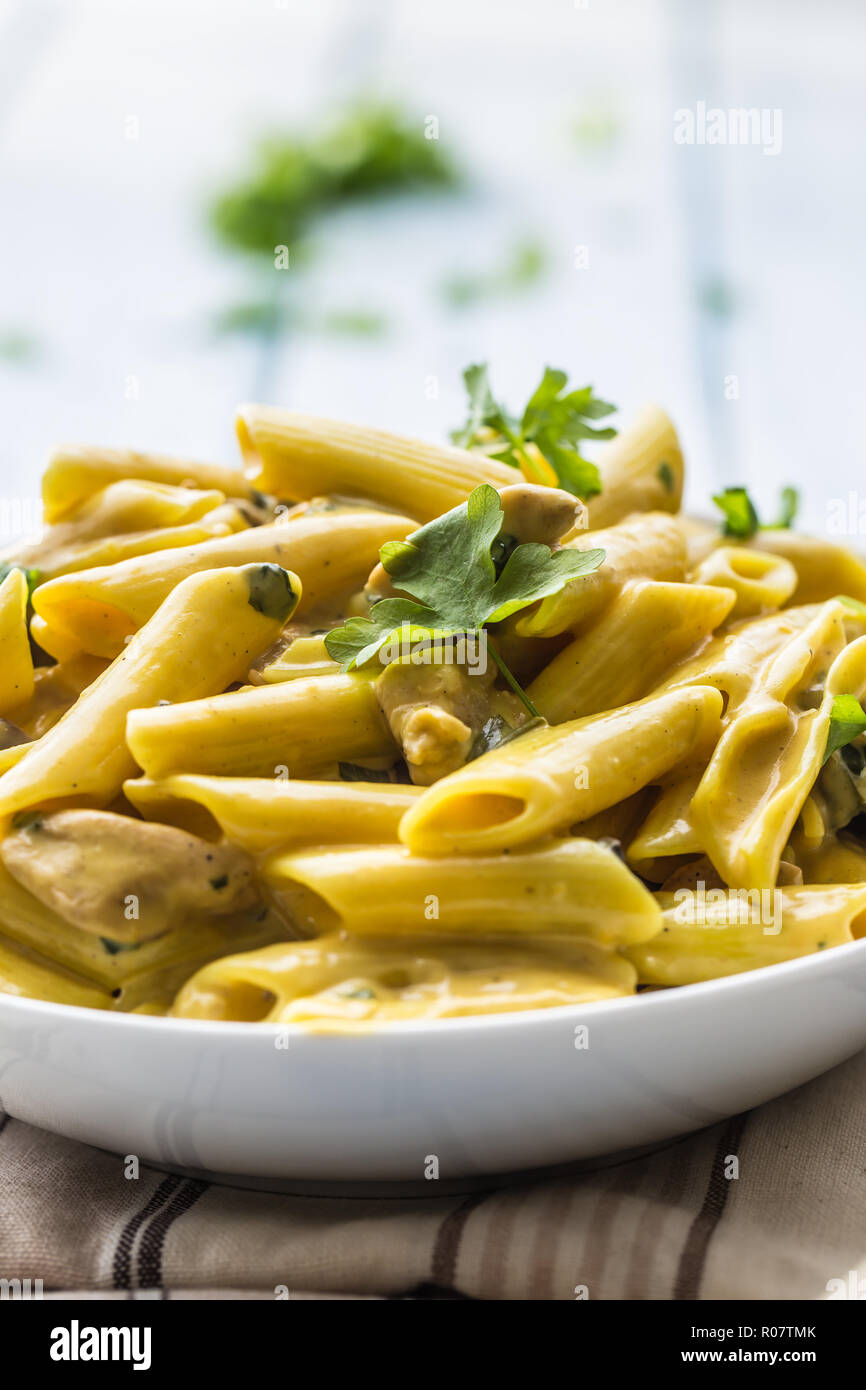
column 741, row 516
column 741, row 519
column 359, row 639
column 552, row 425
column 789, row 503
column 447, row 566
column 847, row 722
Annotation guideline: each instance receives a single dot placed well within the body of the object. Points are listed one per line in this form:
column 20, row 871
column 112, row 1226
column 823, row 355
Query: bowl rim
column 671, row 998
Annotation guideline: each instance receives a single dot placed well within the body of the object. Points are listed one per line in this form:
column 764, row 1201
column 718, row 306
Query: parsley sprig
column 741, row 516
column 847, row 722
column 448, row 569
column 549, row 431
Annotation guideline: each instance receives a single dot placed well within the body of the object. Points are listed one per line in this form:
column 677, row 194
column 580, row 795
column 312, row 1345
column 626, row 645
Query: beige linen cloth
column 669, row 1226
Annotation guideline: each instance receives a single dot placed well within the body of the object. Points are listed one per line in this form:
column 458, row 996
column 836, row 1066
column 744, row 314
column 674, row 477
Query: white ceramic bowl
column 484, row 1095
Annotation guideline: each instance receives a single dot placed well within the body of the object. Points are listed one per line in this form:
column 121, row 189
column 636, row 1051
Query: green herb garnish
column 371, row 150
column 553, row 423
column 847, row 722
column 741, row 516
column 525, row 265
column 448, row 569
column 496, row 731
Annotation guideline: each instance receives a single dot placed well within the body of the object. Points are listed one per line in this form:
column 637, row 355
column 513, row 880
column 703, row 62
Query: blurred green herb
column 741, row 516
column 265, row 318
column 355, row 323
column 525, row 265
column 370, row 151
column 596, row 131
column 18, row 347
column 553, row 423
column 718, row 298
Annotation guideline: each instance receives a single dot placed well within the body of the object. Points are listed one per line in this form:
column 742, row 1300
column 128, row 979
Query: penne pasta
column 707, row 936
column 302, row 456
column 648, row 627
column 574, row 886
column 98, row 609
column 641, row 470
column 74, row 475
column 338, row 979
column 34, row 977
column 768, row 758
column 549, row 778
column 824, row 569
column 16, row 669
column 113, row 549
column 288, row 729
column 261, row 814
column 761, row 582
column 223, row 617
column 643, row 547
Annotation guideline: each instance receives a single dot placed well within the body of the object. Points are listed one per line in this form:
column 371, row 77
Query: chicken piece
column 541, row 514
column 125, row 879
column 435, row 713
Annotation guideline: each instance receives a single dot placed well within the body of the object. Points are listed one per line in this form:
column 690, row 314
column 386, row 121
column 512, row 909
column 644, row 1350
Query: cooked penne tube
column 301, row 456
column 549, row 778
column 361, row 981
column 722, row 931
column 201, row 639
column 736, row 660
column 769, row 756
column 837, row 859
column 62, row 649
column 261, row 813
column 823, row 568
column 331, row 554
column 574, row 886
column 289, row 729
column 650, row 546
column 74, row 474
column 111, row 550
column 761, row 582
column 641, row 470
column 16, row 669
column 130, row 505
column 304, row 657
column 736, row 664
column 667, row 830
column 37, row 977
column 647, row 628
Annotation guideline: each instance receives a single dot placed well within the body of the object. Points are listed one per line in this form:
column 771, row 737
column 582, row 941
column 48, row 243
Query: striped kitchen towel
column 767, row 1205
